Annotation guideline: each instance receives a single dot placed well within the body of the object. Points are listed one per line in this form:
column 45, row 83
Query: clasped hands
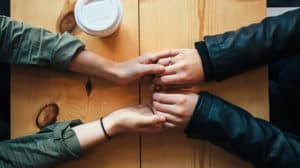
column 171, row 69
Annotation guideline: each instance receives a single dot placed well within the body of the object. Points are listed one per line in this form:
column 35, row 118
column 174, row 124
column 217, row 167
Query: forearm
column 56, row 143
column 91, row 134
column 237, row 51
column 53, row 145
column 23, row 44
column 240, row 133
column 89, row 63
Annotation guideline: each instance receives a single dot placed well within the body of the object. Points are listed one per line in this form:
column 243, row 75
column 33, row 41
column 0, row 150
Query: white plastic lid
column 98, row 17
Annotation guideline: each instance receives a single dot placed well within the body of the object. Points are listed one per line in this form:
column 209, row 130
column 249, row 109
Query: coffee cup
column 99, row 18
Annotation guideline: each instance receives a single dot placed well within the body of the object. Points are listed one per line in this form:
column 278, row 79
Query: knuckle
column 157, row 97
column 179, row 121
column 183, row 75
column 168, row 51
column 179, row 110
column 184, row 66
column 188, row 78
column 185, row 114
column 182, row 112
column 164, row 80
column 147, row 55
column 155, row 105
column 180, row 100
column 161, row 61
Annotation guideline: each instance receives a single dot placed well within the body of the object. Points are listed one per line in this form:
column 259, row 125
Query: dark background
column 4, row 85
column 283, row 3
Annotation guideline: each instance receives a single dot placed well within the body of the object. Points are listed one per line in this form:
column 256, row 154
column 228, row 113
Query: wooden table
column 148, row 26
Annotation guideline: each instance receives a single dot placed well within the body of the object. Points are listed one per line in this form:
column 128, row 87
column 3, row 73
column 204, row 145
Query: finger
column 152, row 120
column 165, row 108
column 169, row 125
column 172, row 79
column 171, row 88
column 162, row 54
column 169, row 117
column 154, row 57
column 165, row 61
column 153, row 69
column 165, row 98
column 171, row 69
column 181, row 88
column 171, row 60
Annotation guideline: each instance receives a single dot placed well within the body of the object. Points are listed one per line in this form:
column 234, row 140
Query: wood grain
column 33, row 87
column 148, row 26
column 178, row 24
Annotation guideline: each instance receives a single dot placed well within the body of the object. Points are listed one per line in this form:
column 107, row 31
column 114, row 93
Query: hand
column 177, row 108
column 182, row 68
column 133, row 119
column 87, row 62
column 139, row 67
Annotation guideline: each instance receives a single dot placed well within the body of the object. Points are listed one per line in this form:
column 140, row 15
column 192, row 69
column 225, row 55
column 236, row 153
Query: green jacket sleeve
column 53, row 145
column 23, row 44
column 239, row 132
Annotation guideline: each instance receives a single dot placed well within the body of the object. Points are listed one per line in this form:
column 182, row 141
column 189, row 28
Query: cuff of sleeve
column 73, row 144
column 197, row 125
column 215, row 52
column 64, row 133
column 206, row 63
column 66, row 49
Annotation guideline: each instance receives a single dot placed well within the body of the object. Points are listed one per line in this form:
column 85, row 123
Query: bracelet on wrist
column 108, row 137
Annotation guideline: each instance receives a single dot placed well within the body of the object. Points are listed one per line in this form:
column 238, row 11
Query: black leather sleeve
column 237, row 51
column 237, row 131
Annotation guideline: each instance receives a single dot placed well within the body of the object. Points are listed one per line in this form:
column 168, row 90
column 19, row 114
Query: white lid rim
column 93, row 31
column 101, row 33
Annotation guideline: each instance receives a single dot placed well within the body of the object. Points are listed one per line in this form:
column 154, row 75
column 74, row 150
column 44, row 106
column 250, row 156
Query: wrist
column 111, row 125
column 107, row 69
column 112, row 71
column 120, row 72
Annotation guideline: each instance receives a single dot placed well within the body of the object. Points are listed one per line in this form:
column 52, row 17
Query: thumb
column 152, row 69
column 152, row 120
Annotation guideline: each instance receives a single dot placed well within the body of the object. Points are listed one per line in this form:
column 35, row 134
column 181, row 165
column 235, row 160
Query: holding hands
column 138, row 118
column 177, row 108
column 139, row 67
column 170, row 110
column 179, row 67
column 182, row 67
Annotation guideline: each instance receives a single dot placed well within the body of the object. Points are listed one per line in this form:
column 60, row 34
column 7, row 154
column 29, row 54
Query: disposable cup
column 99, row 18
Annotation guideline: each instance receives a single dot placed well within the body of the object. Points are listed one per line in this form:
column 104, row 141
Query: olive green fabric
column 23, row 44
column 49, row 147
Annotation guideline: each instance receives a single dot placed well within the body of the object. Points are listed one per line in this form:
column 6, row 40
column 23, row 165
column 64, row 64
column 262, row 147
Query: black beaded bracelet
column 104, row 131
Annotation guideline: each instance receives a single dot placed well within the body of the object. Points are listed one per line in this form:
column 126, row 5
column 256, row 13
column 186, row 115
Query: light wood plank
column 33, row 87
column 178, row 24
